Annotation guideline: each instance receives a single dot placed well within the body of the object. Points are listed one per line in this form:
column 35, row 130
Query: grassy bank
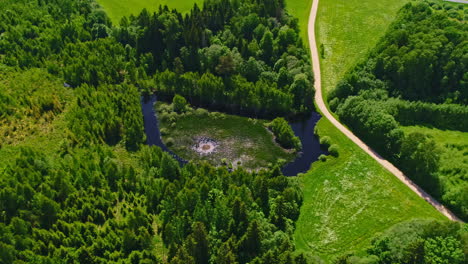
column 237, row 140
column 116, row 9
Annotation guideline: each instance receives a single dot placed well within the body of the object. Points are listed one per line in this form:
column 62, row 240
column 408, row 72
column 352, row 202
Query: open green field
column 238, row 140
column 116, row 9
column 350, row 199
column 348, row 30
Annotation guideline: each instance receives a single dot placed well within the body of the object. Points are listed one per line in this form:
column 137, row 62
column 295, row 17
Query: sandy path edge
column 325, row 112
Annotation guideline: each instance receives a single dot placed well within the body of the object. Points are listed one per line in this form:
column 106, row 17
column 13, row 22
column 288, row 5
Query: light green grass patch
column 350, row 199
column 348, row 30
column 116, row 9
column 239, row 140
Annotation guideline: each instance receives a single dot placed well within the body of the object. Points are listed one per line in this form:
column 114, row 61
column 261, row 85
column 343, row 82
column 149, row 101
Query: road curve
column 325, row 112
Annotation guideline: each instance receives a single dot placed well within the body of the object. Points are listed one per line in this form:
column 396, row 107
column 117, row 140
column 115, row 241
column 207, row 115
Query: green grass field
column 116, row 9
column 239, row 139
column 348, row 30
column 350, row 199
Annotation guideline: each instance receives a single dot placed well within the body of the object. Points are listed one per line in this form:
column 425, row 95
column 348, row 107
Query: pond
column 304, row 129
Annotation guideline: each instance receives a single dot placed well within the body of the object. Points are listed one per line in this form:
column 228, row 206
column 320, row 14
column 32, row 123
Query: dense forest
column 243, row 58
column 416, row 75
column 88, row 208
column 77, row 185
column 414, row 242
column 92, row 193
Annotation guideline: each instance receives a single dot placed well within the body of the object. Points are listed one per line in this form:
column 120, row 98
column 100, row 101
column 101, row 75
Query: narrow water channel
column 153, row 136
column 304, row 129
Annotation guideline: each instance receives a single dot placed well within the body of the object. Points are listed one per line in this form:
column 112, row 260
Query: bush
column 169, row 142
column 179, row 103
column 284, row 134
column 325, row 141
column 164, row 131
column 323, row 157
column 333, row 150
column 200, row 112
column 164, row 108
column 163, row 116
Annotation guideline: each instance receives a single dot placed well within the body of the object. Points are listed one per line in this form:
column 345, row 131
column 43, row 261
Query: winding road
column 325, row 112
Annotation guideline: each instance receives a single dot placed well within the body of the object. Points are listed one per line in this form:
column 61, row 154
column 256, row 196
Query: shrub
column 325, row 141
column 164, row 108
column 172, row 117
column 323, row 157
column 169, row 142
column 164, row 131
column 179, row 103
column 201, row 112
column 163, row 116
column 284, row 134
column 333, row 150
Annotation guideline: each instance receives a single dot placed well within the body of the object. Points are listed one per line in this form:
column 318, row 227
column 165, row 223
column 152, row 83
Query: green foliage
column 419, row 37
column 234, row 68
column 333, row 150
column 25, row 110
column 284, row 133
column 420, row 158
column 107, row 114
column 179, row 103
column 452, row 170
column 395, row 86
column 323, row 157
column 419, row 242
column 237, row 139
column 83, row 207
column 325, row 141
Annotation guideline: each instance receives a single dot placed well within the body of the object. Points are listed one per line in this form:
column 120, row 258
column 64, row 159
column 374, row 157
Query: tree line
column 240, row 57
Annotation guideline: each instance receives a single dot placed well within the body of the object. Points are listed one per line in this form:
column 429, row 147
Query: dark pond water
column 153, row 136
column 311, row 149
column 304, row 129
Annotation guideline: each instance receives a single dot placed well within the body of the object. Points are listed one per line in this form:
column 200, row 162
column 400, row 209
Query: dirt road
column 325, row 112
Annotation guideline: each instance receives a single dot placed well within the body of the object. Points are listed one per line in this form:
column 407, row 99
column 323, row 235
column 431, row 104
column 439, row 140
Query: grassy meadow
column 116, row 9
column 349, row 199
column 348, row 30
column 240, row 140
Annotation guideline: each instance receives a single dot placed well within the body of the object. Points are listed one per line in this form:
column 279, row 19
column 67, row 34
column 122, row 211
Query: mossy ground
column 240, row 140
